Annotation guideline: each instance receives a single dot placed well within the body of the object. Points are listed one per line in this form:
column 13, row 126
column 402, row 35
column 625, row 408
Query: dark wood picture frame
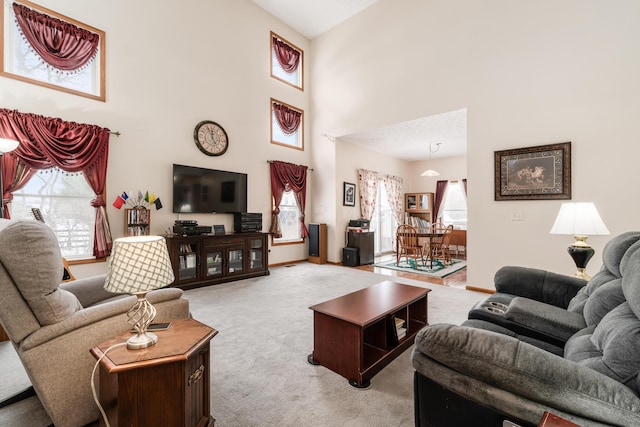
column 533, row 173
column 348, row 194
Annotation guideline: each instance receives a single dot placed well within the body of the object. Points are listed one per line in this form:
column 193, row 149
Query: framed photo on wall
column 533, row 173
column 349, row 194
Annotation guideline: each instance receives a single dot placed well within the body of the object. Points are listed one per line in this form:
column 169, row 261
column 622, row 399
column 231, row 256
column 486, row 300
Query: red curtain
column 288, row 57
column 51, row 142
column 441, row 187
column 288, row 119
column 60, row 44
column 288, row 177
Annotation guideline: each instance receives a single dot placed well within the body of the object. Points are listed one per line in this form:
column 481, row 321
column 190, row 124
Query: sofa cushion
column 30, row 253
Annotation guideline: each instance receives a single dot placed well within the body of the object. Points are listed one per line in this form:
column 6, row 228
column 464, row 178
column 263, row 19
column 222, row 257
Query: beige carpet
column 259, row 372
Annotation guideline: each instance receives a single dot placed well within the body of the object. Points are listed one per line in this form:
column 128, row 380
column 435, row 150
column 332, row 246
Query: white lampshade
column 138, row 264
column 579, row 219
column 430, row 172
column 7, row 145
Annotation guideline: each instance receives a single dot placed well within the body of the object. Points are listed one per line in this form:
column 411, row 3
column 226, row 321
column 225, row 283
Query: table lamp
column 580, row 220
column 137, row 265
column 6, row 145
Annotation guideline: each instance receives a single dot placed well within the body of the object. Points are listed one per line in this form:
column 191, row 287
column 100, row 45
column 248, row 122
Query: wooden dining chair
column 408, row 245
column 439, row 247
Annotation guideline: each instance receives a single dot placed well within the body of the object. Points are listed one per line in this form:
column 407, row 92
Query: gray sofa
column 482, row 373
column 53, row 326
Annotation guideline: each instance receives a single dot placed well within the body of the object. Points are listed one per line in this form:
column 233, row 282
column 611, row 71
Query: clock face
column 211, row 138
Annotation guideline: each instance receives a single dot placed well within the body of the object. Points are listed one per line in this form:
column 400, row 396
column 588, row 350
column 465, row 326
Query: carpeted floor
column 259, row 372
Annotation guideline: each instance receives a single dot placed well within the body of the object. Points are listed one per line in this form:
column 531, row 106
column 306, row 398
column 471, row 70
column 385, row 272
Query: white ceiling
column 408, row 140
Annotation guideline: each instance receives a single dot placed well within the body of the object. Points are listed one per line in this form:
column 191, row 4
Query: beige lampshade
column 138, row 264
column 7, row 145
column 579, row 219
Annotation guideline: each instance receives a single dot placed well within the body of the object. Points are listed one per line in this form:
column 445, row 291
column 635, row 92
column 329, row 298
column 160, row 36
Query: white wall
column 168, row 66
column 529, row 73
column 450, row 168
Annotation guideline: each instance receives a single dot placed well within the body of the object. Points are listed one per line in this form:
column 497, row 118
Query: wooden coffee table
column 358, row 334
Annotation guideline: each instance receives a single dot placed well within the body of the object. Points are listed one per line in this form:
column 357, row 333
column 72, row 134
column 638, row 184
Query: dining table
column 425, row 234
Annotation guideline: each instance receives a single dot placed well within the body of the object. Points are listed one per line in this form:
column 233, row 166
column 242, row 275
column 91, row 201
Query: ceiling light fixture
column 431, row 172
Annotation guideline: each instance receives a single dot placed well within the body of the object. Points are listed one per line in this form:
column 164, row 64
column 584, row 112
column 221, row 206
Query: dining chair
column 407, row 237
column 439, row 246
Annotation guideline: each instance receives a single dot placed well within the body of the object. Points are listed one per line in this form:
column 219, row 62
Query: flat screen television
column 200, row 190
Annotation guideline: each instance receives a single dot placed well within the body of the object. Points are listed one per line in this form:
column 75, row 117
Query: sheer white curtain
column 368, row 189
column 393, row 185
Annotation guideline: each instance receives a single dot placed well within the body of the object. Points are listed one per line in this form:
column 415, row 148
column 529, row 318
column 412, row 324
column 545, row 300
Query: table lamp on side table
column 137, row 265
column 580, row 220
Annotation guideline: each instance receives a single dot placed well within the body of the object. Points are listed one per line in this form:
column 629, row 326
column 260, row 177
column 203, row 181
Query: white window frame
column 446, row 218
column 75, row 234
column 291, row 233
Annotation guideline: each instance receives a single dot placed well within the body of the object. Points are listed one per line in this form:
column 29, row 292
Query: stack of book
column 401, row 330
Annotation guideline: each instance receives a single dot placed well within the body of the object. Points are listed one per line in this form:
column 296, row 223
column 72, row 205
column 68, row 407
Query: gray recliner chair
column 545, row 308
column 470, row 376
column 53, row 326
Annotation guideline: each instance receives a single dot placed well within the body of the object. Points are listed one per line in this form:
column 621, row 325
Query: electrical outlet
column 517, row 216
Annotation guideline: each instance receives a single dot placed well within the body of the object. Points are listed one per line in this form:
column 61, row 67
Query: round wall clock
column 211, row 138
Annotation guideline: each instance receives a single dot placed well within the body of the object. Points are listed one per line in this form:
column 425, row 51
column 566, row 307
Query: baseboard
column 477, row 289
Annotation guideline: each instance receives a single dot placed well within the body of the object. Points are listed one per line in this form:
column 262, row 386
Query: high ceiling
column 409, row 140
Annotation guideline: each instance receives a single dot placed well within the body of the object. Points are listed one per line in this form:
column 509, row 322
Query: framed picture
column 76, row 65
column 534, row 173
column 349, row 194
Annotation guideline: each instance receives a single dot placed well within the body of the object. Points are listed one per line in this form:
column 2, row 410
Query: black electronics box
column 247, row 222
column 359, row 223
column 350, row 257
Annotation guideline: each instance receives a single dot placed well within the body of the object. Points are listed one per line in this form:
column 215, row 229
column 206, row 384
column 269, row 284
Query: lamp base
column 581, row 256
column 142, row 340
column 140, row 317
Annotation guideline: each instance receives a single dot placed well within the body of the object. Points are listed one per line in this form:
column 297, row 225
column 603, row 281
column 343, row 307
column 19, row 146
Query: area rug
column 438, row 269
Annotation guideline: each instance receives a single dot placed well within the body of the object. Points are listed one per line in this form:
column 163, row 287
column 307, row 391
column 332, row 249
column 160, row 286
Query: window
column 287, row 125
column 289, row 218
column 23, row 63
column 287, row 62
column 454, row 206
column 383, row 224
column 65, row 202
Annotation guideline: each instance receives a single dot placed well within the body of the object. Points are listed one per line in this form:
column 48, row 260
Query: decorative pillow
column 30, row 253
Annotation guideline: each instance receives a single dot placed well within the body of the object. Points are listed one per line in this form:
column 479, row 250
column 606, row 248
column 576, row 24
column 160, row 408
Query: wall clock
column 211, row 138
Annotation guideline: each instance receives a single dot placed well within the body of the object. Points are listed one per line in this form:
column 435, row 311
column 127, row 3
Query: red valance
column 60, row 44
column 288, row 57
column 288, row 118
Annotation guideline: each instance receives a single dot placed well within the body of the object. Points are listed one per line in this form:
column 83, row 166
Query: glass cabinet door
column 214, row 262
column 255, row 254
column 234, row 261
column 187, row 261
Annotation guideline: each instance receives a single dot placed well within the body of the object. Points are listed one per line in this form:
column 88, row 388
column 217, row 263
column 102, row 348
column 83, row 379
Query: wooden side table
column 163, row 385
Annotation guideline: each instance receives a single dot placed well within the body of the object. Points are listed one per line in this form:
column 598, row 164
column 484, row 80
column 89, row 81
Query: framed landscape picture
column 534, row 173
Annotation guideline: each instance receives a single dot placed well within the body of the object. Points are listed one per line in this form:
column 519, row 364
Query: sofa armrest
column 544, row 318
column 94, row 314
column 528, row 373
column 89, row 291
column 540, row 285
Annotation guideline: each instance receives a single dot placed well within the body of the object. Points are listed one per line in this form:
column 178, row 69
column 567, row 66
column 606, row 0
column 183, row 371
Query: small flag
column 158, row 203
column 146, row 197
column 152, row 198
column 118, row 202
column 124, row 196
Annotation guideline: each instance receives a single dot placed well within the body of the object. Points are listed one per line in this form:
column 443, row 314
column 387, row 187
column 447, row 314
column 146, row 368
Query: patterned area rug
column 438, row 269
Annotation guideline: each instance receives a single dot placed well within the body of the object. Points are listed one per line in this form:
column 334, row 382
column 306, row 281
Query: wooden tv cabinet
column 209, row 259
column 355, row 335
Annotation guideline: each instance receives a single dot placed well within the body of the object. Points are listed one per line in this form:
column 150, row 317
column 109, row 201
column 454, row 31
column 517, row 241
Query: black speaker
column 318, row 243
column 350, row 257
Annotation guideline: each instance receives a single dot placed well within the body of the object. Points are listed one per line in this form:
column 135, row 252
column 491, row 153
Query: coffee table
column 358, row 334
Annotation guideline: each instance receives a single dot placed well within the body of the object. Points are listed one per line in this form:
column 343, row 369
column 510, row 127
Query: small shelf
column 137, row 222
